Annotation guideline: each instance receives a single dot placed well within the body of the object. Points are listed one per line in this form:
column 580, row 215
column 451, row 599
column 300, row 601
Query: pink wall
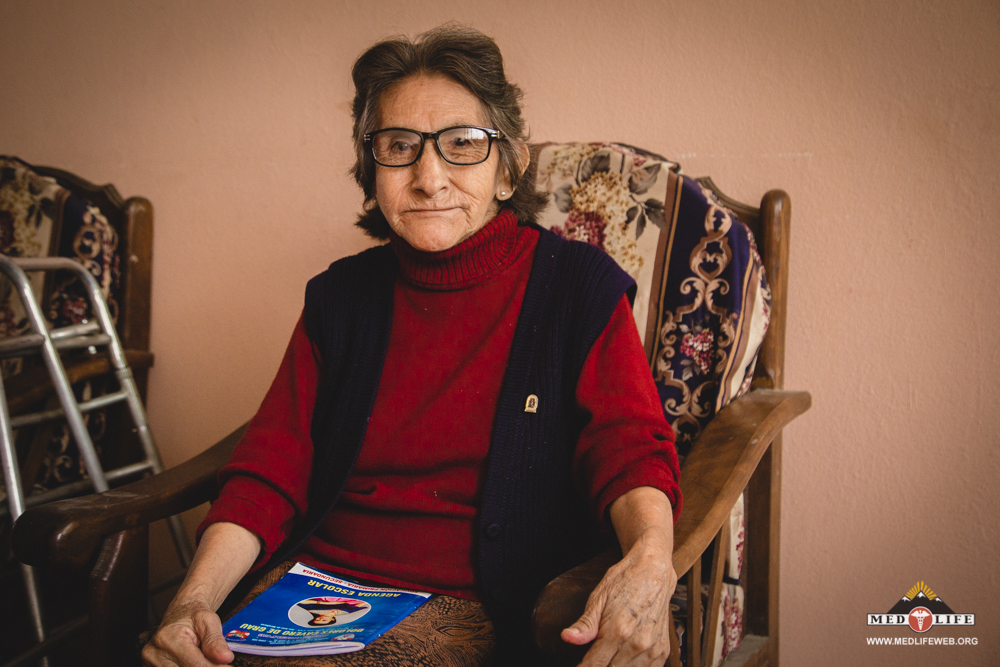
column 879, row 118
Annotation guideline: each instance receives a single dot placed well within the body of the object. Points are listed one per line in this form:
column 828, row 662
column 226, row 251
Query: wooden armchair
column 51, row 212
column 739, row 449
column 127, row 261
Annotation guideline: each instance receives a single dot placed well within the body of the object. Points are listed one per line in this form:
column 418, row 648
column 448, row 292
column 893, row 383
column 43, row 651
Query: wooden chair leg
column 119, row 585
column 762, row 550
column 674, row 660
column 694, row 615
column 715, row 594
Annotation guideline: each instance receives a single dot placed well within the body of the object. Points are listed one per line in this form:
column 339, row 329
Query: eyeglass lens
column 459, row 145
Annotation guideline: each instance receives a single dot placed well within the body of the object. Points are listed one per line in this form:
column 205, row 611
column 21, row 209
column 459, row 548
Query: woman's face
column 432, row 204
column 327, row 617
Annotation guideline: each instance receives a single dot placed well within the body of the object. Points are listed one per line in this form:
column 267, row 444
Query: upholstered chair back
column 41, row 218
column 702, row 304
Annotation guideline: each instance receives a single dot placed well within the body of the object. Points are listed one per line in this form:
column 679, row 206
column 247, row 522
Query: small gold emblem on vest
column 531, row 405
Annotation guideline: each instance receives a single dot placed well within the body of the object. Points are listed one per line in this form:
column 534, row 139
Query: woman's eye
column 401, row 147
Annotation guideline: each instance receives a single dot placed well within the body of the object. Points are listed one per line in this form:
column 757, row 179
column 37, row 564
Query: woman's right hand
column 189, row 636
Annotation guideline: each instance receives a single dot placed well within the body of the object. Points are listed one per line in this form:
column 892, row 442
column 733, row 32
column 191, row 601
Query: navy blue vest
column 534, row 523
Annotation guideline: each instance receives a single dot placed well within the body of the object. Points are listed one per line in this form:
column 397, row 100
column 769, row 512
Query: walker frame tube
column 48, row 343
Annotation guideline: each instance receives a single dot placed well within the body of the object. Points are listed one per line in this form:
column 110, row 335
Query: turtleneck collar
column 475, row 260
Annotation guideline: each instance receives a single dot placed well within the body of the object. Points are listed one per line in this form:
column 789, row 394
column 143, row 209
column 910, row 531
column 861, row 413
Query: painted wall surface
column 880, row 118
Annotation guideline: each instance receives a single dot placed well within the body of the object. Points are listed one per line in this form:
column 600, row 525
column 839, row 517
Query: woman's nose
column 431, row 174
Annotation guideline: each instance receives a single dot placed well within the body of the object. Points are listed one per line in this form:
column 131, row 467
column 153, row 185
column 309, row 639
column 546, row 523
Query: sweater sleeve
column 263, row 487
column 626, row 441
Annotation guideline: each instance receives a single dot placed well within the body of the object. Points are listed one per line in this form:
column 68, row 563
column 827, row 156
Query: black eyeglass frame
column 491, row 136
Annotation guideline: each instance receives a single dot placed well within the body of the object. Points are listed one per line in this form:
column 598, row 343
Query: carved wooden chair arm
column 713, row 476
column 68, row 533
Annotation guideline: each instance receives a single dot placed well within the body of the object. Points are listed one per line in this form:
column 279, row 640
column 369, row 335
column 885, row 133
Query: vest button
column 493, row 531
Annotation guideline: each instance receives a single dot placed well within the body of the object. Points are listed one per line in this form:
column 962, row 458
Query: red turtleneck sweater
column 407, row 515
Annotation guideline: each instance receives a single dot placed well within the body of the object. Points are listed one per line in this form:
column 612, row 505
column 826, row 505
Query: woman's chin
column 431, row 238
column 433, row 245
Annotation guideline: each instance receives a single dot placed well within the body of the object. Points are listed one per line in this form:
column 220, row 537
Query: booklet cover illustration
column 312, row 612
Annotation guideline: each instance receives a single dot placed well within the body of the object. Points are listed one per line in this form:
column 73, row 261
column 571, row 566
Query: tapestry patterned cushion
column 30, row 219
column 39, row 218
column 703, row 302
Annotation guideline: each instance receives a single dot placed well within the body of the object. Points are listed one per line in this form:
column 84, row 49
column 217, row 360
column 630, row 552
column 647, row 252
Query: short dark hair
column 463, row 55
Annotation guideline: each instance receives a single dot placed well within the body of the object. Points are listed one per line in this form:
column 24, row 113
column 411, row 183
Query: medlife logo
column 921, row 609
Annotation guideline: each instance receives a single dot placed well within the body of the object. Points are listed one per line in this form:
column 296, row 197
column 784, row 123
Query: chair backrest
column 712, row 276
column 77, row 203
column 703, row 302
column 51, row 212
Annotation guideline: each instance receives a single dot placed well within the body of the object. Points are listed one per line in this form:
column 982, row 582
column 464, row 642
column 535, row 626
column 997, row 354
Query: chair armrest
column 712, row 478
column 68, row 533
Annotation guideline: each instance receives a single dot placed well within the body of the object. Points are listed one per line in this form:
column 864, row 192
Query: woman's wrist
column 198, row 596
column 653, row 540
column 227, row 552
column 643, row 514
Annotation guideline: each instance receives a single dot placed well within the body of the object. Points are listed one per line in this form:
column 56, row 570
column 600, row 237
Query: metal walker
column 99, row 332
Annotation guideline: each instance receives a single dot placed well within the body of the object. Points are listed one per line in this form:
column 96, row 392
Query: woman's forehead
column 430, row 102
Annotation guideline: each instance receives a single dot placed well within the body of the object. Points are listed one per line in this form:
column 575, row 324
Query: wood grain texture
column 137, row 273
column 119, row 588
column 674, row 656
column 757, row 549
column 762, row 551
column 694, row 614
column 776, row 209
column 68, row 532
column 715, row 593
column 776, row 212
column 712, row 477
column 714, row 474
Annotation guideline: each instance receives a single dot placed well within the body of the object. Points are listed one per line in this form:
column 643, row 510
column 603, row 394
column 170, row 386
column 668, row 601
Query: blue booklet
column 312, row 612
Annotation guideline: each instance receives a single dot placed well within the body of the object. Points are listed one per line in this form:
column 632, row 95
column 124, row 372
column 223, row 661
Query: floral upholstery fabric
column 730, row 628
column 30, row 221
column 702, row 304
column 39, row 218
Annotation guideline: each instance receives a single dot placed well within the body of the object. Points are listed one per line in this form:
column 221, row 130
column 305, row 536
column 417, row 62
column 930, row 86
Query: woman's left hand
column 627, row 614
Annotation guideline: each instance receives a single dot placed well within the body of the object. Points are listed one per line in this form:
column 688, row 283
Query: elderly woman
column 466, row 409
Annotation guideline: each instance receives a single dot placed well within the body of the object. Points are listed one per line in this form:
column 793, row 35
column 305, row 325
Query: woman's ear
column 504, row 188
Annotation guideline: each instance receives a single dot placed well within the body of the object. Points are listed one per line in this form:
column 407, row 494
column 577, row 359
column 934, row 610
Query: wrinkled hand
column 627, row 612
column 189, row 636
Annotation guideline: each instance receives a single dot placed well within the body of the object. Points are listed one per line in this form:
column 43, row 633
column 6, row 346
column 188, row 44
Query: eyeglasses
column 461, row 145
